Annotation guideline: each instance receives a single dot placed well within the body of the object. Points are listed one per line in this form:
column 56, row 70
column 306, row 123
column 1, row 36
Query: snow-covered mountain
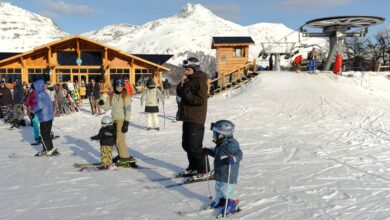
column 22, row 30
column 190, row 31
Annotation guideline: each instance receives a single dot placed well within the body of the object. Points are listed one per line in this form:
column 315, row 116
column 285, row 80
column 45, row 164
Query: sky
column 79, row 16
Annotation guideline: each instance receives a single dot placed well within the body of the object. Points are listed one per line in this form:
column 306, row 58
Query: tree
column 356, row 51
column 383, row 41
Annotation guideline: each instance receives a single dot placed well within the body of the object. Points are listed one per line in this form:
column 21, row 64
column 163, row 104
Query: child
column 227, row 153
column 152, row 96
column 107, row 139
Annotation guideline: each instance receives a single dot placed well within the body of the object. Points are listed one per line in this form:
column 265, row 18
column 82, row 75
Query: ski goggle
column 187, row 63
column 215, row 135
column 119, row 83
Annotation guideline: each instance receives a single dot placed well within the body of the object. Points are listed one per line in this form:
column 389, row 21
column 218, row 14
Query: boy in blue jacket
column 227, row 153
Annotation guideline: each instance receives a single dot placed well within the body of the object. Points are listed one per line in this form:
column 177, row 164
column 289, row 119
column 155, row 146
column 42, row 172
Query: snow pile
column 315, row 147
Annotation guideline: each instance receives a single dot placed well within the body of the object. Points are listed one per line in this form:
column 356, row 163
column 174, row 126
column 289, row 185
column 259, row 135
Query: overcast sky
column 79, row 16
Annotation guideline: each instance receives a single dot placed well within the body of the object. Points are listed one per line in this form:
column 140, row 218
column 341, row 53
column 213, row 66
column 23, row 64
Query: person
column 6, row 103
column 192, row 98
column 93, row 94
column 166, row 87
column 312, row 60
column 44, row 110
column 106, row 136
column 297, row 63
column 227, row 153
column 152, row 96
column 120, row 103
column 30, row 103
column 129, row 87
column 18, row 113
column 271, row 63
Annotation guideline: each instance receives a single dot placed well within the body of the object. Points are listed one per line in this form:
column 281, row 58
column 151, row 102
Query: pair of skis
column 186, row 180
column 94, row 167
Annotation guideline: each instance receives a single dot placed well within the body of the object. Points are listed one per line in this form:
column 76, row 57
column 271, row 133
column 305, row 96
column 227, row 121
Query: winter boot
column 52, row 152
column 188, row 172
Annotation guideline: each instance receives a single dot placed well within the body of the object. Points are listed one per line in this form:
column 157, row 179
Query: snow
column 315, row 147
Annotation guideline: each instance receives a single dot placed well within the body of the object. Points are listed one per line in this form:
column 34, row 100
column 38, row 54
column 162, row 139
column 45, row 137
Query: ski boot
column 214, row 204
column 188, row 172
column 126, row 162
column 231, row 207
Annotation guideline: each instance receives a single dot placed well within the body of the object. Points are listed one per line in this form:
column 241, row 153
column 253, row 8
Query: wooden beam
column 78, row 48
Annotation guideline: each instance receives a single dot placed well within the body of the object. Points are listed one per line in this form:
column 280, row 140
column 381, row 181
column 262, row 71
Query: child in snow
column 106, row 136
column 152, row 96
column 227, row 153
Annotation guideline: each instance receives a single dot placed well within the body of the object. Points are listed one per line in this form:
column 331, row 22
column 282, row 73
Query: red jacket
column 298, row 59
column 129, row 89
column 30, row 100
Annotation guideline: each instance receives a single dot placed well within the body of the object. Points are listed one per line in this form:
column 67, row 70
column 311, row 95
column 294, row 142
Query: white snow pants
column 221, row 191
column 151, row 120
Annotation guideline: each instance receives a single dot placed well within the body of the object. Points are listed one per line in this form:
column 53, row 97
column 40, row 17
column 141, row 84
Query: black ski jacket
column 106, row 136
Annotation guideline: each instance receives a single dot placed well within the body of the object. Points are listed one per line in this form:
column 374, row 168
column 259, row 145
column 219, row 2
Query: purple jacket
column 44, row 107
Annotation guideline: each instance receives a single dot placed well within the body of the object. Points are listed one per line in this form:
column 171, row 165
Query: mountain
column 191, row 30
column 189, row 33
column 22, row 30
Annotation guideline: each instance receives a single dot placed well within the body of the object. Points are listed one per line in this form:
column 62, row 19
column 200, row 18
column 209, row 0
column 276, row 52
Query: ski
column 188, row 180
column 96, row 169
column 202, row 211
column 97, row 165
column 18, row 155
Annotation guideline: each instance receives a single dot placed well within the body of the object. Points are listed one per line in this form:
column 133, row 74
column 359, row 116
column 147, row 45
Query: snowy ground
column 315, row 147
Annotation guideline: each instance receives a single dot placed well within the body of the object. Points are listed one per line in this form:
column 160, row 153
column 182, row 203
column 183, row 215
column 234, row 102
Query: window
column 239, row 52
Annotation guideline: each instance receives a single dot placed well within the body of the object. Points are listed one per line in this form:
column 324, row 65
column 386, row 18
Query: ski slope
column 315, row 147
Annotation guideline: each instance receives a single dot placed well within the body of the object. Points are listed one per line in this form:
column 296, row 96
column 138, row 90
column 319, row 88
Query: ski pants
column 7, row 113
column 312, row 66
column 106, row 156
column 223, row 191
column 151, row 120
column 166, row 93
column 35, row 123
column 192, row 143
column 45, row 128
column 121, row 140
column 18, row 112
column 95, row 108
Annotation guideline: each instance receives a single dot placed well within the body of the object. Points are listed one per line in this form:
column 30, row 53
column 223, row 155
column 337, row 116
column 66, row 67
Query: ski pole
column 208, row 176
column 164, row 113
column 228, row 187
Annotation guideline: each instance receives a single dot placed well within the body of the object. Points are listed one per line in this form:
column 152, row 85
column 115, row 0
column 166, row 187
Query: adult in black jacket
column 18, row 112
column 6, row 103
column 166, row 87
column 192, row 102
column 93, row 94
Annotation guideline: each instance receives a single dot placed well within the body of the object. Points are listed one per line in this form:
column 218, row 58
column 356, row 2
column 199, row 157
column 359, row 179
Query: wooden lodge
column 232, row 54
column 80, row 59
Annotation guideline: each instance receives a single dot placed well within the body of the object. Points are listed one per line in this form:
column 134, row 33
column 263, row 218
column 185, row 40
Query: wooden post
column 254, row 66
column 24, row 70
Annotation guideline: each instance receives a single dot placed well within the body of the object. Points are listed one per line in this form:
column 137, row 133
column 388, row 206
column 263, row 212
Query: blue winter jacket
column 225, row 148
column 44, row 107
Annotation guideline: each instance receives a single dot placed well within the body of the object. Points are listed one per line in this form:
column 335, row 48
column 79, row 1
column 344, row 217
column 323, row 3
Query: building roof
column 160, row 59
column 5, row 55
column 74, row 37
column 233, row 40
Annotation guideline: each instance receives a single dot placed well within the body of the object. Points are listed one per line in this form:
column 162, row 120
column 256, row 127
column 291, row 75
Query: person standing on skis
column 106, row 136
column 192, row 95
column 227, row 153
column 44, row 110
column 152, row 96
column 30, row 103
column 312, row 61
column 119, row 101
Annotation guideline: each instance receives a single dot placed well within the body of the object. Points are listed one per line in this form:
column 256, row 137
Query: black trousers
column 45, row 128
column 192, row 143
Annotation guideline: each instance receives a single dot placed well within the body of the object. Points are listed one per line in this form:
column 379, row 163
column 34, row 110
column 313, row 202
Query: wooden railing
column 233, row 78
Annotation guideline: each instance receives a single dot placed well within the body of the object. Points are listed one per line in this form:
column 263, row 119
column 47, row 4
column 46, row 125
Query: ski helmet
column 119, row 82
column 106, row 120
column 223, row 127
column 193, row 63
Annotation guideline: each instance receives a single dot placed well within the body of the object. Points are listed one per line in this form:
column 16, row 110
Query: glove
column 31, row 114
column 178, row 99
column 125, row 126
column 205, row 151
column 231, row 160
column 101, row 102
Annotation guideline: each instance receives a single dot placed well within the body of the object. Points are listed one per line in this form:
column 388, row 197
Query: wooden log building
column 80, row 59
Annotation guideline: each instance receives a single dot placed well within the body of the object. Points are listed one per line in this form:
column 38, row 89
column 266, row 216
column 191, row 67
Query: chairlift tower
column 337, row 29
